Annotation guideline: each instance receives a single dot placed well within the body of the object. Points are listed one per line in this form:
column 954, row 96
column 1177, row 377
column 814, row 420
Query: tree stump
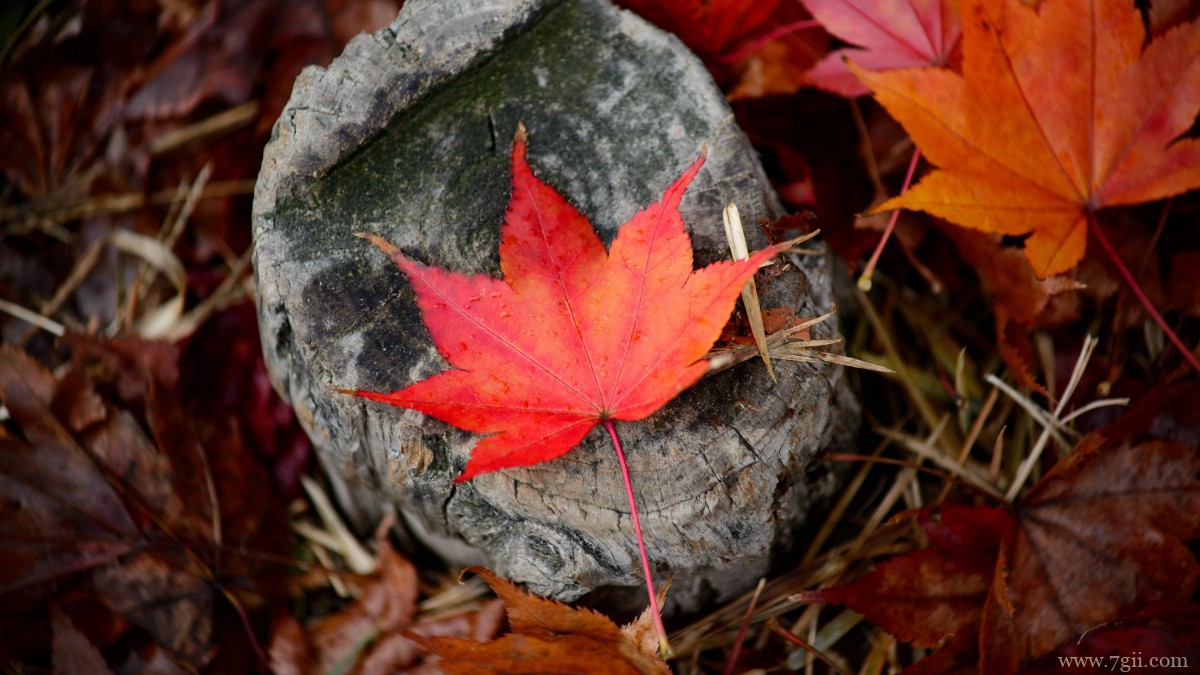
column 407, row 134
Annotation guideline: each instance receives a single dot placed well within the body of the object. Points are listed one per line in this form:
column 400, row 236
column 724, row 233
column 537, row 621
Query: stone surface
column 407, row 134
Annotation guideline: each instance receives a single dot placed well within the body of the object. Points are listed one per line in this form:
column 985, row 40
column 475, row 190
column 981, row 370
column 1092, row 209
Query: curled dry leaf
column 548, row 636
column 379, row 632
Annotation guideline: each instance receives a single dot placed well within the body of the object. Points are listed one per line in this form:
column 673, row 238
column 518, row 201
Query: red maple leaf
column 572, row 335
column 933, row 597
column 706, row 26
column 885, row 35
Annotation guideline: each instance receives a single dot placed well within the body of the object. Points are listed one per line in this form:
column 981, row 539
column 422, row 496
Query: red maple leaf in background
column 706, row 27
column 572, row 335
column 886, row 35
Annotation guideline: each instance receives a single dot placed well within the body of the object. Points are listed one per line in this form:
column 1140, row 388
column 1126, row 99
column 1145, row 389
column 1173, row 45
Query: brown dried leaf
column 164, row 598
column 1100, row 536
column 83, row 487
column 1170, row 632
column 397, row 651
column 71, row 651
column 1018, row 296
column 546, row 636
column 1183, row 284
column 291, row 650
column 58, row 515
column 386, row 604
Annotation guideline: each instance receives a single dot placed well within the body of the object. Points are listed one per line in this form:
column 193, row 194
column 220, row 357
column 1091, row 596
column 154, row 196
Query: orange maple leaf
column 573, row 335
column 1059, row 112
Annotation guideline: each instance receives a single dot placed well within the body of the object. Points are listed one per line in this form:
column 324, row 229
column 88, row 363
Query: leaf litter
column 915, row 335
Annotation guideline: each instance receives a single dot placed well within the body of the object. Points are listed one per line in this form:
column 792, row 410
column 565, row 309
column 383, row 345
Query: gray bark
column 407, row 135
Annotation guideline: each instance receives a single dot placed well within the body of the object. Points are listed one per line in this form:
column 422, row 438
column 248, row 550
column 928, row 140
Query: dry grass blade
column 737, row 247
column 795, row 345
column 83, row 266
column 1055, row 426
column 973, row 436
column 782, row 348
column 33, row 318
column 741, row 637
column 843, row 503
column 230, row 291
column 792, row 249
column 794, row 639
column 219, row 124
column 156, row 322
column 851, row 362
column 1051, row 422
column 167, row 320
column 357, row 558
column 967, row 473
column 454, row 596
column 916, row 396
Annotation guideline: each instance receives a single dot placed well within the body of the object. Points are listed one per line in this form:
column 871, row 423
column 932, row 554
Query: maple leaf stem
column 241, row 612
column 664, row 647
column 757, row 44
column 864, row 281
column 1188, row 356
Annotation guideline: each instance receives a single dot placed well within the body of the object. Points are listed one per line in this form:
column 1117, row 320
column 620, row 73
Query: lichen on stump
column 407, row 135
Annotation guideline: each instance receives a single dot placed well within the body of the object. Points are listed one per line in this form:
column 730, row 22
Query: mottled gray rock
column 407, row 134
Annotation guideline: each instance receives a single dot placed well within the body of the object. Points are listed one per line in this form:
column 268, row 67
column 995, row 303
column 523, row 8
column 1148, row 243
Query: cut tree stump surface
column 407, row 134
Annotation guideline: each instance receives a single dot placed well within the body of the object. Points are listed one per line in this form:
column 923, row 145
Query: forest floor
column 1025, row 487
